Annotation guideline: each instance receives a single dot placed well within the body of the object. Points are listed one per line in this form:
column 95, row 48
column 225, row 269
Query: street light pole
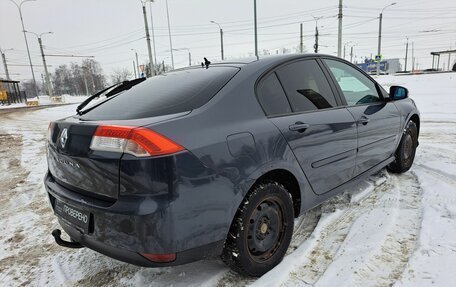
column 255, row 27
column 153, row 33
column 46, row 73
column 380, row 36
column 169, row 35
column 26, row 42
column 221, row 38
column 149, row 49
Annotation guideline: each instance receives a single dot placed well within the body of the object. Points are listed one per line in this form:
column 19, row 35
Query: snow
column 393, row 230
column 45, row 101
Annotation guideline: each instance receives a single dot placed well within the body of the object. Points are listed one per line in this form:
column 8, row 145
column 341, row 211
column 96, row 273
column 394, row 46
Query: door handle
column 363, row 120
column 299, row 127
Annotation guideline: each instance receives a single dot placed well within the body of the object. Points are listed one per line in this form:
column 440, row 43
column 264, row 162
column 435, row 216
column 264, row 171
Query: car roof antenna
column 205, row 63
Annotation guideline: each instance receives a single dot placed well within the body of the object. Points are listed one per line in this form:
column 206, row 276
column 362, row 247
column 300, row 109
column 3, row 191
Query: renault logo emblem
column 63, row 137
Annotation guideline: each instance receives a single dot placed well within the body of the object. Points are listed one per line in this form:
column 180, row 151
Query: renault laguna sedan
column 220, row 160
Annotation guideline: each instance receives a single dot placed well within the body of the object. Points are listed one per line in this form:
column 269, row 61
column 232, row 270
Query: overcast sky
column 108, row 30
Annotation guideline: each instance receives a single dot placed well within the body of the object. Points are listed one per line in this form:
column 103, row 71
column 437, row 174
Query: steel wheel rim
column 266, row 229
column 408, row 147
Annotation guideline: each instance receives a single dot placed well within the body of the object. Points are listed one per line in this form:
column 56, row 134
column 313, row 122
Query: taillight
column 161, row 258
column 140, row 142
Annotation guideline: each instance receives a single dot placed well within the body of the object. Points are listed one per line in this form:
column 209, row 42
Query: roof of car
column 266, row 60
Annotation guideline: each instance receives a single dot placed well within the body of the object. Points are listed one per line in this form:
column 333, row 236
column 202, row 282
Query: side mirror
column 398, row 93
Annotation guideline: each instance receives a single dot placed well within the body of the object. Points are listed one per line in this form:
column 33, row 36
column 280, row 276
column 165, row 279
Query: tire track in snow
column 448, row 178
column 385, row 266
column 331, row 237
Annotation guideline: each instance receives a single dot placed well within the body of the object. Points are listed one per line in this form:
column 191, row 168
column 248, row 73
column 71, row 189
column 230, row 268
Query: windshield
column 174, row 92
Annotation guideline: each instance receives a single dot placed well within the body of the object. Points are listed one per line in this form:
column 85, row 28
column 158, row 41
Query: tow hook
column 69, row 244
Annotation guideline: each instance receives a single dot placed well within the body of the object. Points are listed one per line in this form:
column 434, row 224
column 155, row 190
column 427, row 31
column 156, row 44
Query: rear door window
column 171, row 93
column 272, row 97
column 306, row 86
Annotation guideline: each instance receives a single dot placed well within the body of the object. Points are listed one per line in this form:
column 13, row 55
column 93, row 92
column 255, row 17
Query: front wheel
column 405, row 153
column 261, row 231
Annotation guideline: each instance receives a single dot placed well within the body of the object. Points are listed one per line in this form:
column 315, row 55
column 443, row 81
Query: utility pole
column 379, row 44
column 149, row 49
column 351, row 54
column 134, row 69
column 26, row 43
column 255, row 27
column 137, row 63
column 339, row 34
column 169, row 35
column 5, row 65
column 221, row 42
column 84, row 70
column 221, row 38
column 301, row 40
column 46, row 73
column 153, row 33
column 406, row 55
column 379, row 51
column 316, row 33
column 413, row 57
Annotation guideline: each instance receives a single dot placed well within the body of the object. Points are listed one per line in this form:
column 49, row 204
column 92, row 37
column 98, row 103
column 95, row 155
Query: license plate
column 74, row 215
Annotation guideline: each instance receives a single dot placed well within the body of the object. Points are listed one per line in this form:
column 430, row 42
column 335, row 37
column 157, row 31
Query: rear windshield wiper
column 115, row 89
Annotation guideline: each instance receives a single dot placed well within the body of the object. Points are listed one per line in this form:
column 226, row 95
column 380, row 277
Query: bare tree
column 78, row 79
column 120, row 75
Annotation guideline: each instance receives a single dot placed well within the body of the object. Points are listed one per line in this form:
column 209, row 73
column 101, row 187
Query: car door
column 377, row 120
column 321, row 134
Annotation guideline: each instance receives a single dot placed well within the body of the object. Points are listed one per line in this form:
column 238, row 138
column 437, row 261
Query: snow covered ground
column 397, row 229
column 45, row 101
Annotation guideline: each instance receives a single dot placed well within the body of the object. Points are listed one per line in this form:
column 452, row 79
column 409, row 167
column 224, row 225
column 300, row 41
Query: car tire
column 261, row 230
column 405, row 153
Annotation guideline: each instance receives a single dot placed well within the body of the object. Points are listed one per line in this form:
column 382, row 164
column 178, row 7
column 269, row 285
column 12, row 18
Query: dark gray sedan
column 203, row 162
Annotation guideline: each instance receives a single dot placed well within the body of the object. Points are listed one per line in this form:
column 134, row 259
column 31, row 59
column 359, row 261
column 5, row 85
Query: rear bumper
column 187, row 256
column 142, row 224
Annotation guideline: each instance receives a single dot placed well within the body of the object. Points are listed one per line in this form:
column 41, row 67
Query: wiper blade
column 116, row 88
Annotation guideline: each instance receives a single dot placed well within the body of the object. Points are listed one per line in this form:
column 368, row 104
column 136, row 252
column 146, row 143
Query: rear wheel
column 405, row 153
column 261, row 231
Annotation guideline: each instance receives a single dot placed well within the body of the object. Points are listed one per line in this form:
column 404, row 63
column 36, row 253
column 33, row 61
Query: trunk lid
column 76, row 167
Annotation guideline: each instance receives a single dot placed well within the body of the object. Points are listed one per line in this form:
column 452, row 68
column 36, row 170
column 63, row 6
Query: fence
column 10, row 93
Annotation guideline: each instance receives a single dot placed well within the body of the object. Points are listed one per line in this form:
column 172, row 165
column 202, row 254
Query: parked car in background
column 220, row 161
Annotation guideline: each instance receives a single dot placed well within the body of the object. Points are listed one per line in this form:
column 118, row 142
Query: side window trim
column 316, row 60
column 284, row 91
column 260, row 81
column 334, row 81
column 340, row 100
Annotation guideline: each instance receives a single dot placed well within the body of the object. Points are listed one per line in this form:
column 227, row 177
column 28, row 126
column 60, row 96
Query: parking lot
column 396, row 229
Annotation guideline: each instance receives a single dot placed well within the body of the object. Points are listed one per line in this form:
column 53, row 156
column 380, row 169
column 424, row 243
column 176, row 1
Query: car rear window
column 173, row 92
